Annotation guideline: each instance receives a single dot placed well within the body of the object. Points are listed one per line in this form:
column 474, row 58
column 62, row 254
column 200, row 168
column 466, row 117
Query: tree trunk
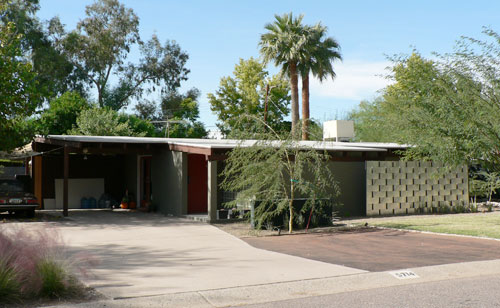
column 305, row 107
column 99, row 97
column 294, row 86
column 290, row 207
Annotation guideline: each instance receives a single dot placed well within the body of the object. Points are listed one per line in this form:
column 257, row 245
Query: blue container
column 102, row 203
column 92, row 203
column 84, row 203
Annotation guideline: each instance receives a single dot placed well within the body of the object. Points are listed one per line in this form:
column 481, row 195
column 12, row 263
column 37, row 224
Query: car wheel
column 30, row 213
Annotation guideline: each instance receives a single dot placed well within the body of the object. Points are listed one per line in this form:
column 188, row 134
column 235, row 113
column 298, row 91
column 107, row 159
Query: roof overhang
column 209, row 147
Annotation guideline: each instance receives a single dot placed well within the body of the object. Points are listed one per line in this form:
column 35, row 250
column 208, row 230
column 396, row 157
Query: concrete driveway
column 147, row 254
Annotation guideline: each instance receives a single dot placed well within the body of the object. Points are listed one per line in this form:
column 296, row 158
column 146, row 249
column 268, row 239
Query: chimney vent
column 338, row 130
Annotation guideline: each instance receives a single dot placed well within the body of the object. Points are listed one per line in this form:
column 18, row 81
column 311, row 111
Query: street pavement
column 477, row 292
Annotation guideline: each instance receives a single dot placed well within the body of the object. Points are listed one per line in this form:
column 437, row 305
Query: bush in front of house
column 34, row 265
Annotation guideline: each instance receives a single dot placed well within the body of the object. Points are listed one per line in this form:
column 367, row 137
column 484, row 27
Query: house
column 181, row 176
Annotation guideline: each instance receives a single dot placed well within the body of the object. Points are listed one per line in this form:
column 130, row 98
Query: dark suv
column 15, row 199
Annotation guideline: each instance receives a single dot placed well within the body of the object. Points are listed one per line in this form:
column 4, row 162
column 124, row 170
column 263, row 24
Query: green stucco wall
column 350, row 177
column 169, row 181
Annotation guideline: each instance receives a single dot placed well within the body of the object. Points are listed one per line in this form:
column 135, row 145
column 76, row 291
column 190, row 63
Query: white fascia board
column 232, row 143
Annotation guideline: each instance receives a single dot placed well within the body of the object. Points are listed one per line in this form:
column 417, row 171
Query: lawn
column 478, row 224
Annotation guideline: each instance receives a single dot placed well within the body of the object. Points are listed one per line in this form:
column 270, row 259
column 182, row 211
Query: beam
column 216, row 157
column 43, row 147
column 73, row 144
column 65, row 181
column 115, row 150
column 190, row 149
column 347, row 159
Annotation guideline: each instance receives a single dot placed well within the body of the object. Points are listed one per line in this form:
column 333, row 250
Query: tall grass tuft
column 34, row 264
column 54, row 278
column 9, row 283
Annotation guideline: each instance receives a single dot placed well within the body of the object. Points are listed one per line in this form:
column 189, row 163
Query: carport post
column 65, row 181
column 212, row 190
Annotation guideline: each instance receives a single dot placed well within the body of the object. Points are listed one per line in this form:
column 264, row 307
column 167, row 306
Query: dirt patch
column 87, row 295
column 244, row 230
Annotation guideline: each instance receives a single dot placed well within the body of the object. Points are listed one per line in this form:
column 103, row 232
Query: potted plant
column 222, row 214
column 235, row 213
column 124, row 204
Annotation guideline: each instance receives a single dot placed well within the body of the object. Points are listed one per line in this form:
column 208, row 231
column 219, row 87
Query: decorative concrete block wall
column 400, row 187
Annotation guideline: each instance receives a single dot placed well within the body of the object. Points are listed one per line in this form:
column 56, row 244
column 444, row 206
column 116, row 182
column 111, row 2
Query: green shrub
column 444, row 209
column 473, row 208
column 489, row 206
column 460, row 208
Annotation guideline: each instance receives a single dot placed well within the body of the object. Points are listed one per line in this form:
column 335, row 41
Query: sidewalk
column 299, row 289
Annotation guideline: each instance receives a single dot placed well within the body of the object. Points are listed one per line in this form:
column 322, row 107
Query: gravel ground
column 243, row 229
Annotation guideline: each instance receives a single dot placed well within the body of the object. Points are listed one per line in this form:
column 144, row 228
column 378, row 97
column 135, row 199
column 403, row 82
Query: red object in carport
column 197, row 184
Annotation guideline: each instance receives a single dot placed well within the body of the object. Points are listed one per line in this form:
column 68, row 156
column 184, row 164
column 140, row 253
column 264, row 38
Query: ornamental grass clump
column 34, row 265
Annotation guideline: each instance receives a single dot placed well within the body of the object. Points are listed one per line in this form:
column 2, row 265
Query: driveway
column 147, row 254
column 382, row 250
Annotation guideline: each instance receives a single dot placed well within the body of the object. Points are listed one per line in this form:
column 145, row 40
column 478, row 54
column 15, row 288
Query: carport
column 71, row 166
column 177, row 175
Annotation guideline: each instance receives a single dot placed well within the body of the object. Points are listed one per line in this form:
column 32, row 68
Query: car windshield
column 11, row 186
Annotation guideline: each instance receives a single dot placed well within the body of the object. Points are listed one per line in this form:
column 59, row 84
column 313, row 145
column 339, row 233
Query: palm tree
column 317, row 56
column 283, row 44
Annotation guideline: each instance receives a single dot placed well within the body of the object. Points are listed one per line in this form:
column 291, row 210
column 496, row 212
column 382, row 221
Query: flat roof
column 226, row 143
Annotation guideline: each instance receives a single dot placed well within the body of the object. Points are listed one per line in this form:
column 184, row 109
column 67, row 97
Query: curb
column 257, row 294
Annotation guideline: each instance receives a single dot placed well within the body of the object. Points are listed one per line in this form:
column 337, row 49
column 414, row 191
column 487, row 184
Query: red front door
column 197, row 184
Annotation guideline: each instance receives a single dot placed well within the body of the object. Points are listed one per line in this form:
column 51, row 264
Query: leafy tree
column 448, row 107
column 61, row 115
column 100, row 45
column 317, row 58
column 147, row 110
column 491, row 182
column 39, row 43
column 180, row 106
column 102, row 122
column 245, row 94
column 179, row 114
column 415, row 109
column 183, row 110
column 139, row 127
column 275, row 172
column 19, row 95
column 370, row 122
column 283, row 44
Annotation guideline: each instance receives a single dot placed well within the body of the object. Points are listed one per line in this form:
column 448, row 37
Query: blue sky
column 217, row 33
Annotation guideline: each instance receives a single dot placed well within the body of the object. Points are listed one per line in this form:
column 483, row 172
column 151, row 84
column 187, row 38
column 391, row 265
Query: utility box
column 338, row 130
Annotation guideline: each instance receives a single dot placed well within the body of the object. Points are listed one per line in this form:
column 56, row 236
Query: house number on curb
column 404, row 275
